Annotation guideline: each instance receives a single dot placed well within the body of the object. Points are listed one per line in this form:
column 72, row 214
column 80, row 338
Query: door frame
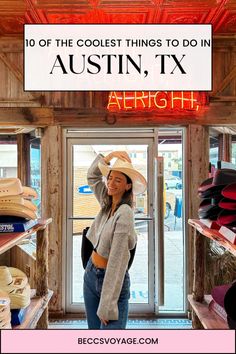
column 123, row 136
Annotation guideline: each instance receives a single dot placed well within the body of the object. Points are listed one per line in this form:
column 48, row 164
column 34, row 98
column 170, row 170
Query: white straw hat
column 19, row 210
column 139, row 183
column 29, row 193
column 5, row 313
column 14, row 282
column 20, row 298
column 12, row 278
column 17, row 199
column 10, row 186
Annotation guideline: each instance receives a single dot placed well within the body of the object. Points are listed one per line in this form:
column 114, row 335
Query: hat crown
column 5, row 276
column 122, row 164
column 224, row 176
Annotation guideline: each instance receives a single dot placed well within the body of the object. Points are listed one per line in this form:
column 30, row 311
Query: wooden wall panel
column 197, row 172
column 52, row 207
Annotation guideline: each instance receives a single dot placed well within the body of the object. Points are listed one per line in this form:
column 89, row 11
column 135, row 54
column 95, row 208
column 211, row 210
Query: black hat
column 214, row 184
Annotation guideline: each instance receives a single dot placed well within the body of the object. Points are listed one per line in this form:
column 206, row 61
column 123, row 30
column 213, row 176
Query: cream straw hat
column 19, row 210
column 10, row 186
column 17, row 199
column 12, row 278
column 5, row 313
column 14, row 282
column 20, row 298
column 139, row 183
column 29, row 193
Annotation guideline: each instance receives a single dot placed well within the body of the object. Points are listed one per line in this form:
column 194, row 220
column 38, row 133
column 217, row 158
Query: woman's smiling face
column 117, row 184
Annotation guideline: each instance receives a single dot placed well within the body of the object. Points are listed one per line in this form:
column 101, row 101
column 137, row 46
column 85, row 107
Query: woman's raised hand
column 122, row 155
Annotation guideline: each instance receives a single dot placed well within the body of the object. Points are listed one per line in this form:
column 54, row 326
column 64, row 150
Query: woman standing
column 106, row 278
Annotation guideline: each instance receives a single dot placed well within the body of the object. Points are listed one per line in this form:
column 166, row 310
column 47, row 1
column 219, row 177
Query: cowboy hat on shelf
column 17, row 199
column 227, row 218
column 213, row 186
column 15, row 283
column 230, row 191
column 13, row 187
column 12, row 278
column 139, row 183
column 10, row 186
column 5, row 312
column 13, row 209
column 225, row 296
column 228, row 204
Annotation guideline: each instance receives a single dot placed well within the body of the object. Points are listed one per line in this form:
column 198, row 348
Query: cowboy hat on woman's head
column 139, row 183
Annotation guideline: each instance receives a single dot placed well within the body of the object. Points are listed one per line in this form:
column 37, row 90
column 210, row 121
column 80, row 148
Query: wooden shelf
column 8, row 240
column 208, row 318
column 34, row 310
column 37, row 312
column 213, row 234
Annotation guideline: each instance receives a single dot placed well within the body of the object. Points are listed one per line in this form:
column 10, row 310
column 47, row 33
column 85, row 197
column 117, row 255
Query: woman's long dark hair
column 127, row 197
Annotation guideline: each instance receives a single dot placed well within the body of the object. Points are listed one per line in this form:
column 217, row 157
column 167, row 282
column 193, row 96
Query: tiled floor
column 132, row 324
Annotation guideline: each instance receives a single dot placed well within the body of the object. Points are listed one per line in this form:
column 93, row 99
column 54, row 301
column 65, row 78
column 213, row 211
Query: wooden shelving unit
column 37, row 312
column 202, row 316
column 213, row 234
column 209, row 319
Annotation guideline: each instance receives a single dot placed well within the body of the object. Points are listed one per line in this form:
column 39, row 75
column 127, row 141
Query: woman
column 106, row 278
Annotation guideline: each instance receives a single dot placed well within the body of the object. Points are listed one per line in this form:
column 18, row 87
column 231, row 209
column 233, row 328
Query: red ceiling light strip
column 157, row 100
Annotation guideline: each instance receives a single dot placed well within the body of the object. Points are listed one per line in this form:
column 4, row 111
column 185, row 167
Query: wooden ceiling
column 14, row 13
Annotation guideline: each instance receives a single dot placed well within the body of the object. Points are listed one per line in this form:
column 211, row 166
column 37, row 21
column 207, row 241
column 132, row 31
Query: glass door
column 82, row 207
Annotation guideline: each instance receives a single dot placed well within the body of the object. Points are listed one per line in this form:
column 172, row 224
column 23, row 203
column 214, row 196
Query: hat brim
column 29, row 193
column 229, row 301
column 20, row 298
column 18, row 200
column 213, row 192
column 211, row 212
column 228, row 204
column 10, row 186
column 139, row 183
column 229, row 191
column 206, row 184
column 13, row 209
column 226, row 217
column 19, row 280
column 218, row 293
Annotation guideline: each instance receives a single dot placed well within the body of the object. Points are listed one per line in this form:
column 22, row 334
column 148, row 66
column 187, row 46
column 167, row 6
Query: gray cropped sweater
column 113, row 238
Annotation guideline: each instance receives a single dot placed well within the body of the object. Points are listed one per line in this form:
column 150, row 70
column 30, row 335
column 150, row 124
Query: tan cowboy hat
column 14, row 282
column 20, row 298
column 139, row 183
column 12, row 278
column 17, row 199
column 10, row 186
column 4, row 308
column 13, row 209
column 29, row 193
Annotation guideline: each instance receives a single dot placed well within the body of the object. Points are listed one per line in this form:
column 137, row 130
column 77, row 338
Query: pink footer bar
column 117, row 341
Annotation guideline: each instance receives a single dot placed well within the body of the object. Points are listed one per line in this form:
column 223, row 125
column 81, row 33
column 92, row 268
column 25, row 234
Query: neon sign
column 156, row 100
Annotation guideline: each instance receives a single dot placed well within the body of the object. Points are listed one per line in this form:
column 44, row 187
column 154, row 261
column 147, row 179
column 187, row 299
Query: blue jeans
column 93, row 280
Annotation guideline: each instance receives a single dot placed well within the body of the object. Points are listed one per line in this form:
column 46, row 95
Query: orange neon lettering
column 125, row 99
column 139, row 98
column 161, row 100
column 116, row 102
column 164, row 100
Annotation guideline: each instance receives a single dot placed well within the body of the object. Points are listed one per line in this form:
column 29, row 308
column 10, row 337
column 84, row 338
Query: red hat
column 228, row 204
column 229, row 191
column 225, row 296
column 226, row 217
